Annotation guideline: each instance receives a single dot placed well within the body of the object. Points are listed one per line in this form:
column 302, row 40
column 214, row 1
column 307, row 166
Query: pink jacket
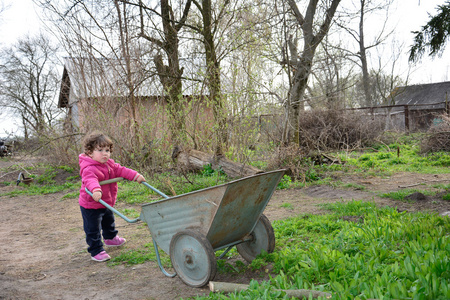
column 92, row 172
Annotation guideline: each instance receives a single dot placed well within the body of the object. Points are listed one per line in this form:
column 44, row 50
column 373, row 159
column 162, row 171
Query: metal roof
column 422, row 96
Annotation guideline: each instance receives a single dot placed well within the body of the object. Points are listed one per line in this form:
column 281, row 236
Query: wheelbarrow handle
column 117, row 179
column 155, row 190
column 113, row 209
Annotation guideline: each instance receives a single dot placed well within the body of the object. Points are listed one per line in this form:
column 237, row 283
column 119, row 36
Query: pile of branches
column 438, row 136
column 291, row 158
column 329, row 130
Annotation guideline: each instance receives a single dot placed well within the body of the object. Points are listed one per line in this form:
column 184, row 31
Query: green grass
column 446, row 197
column 382, row 253
column 170, row 185
column 287, row 205
column 45, row 183
column 34, row 189
column 139, row 256
column 408, row 160
column 384, row 161
column 401, row 194
column 389, row 255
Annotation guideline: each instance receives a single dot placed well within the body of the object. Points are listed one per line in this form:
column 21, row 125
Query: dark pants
column 98, row 222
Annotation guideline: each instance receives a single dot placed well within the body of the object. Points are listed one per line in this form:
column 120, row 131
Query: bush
column 325, row 130
column 290, row 158
column 438, row 137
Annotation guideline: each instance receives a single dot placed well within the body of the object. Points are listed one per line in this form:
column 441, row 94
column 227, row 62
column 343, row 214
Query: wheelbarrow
column 192, row 226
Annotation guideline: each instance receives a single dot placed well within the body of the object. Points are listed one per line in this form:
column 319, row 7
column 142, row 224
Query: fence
column 413, row 118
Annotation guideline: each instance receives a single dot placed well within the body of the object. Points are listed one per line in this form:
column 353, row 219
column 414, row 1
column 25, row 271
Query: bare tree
column 332, row 77
column 207, row 30
column 3, row 8
column 367, row 9
column 103, row 49
column 312, row 36
column 167, row 40
column 29, row 81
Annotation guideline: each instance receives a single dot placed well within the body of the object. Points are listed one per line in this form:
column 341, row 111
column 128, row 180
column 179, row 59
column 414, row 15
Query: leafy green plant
column 312, row 175
column 285, row 182
column 208, row 170
column 446, row 197
column 390, row 255
column 225, row 267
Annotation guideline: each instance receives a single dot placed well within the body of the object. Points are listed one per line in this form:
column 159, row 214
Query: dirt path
column 43, row 252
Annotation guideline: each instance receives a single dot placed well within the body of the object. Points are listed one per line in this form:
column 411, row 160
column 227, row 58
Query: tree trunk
column 298, row 90
column 363, row 58
column 228, row 287
column 170, row 74
column 194, row 160
column 213, row 76
column 304, row 65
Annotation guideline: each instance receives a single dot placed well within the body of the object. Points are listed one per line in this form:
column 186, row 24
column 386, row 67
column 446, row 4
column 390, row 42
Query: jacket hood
column 86, row 161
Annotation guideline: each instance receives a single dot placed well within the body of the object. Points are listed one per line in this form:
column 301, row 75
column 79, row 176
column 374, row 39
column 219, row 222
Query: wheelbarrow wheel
column 263, row 239
column 193, row 258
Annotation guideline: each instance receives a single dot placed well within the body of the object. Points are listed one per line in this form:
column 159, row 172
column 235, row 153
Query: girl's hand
column 140, row 179
column 97, row 195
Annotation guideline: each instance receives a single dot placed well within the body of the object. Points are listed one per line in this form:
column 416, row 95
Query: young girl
column 95, row 166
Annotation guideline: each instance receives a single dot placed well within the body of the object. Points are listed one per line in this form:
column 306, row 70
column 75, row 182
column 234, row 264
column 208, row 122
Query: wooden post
column 447, row 110
column 406, row 118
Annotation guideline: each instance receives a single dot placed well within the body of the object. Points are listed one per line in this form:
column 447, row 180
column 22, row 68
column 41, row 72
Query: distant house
column 422, row 96
column 90, row 86
column 86, row 79
column 417, row 107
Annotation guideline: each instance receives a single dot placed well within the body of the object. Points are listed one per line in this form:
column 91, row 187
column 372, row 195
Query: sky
column 20, row 18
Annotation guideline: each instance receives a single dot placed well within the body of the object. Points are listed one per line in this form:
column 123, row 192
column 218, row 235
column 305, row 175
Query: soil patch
column 44, row 253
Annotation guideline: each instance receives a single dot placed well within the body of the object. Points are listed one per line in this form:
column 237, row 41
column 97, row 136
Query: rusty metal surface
column 224, row 213
column 242, row 204
column 192, row 210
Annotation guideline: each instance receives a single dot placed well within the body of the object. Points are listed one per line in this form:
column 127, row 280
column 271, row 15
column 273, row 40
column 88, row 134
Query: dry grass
column 438, row 137
column 330, row 130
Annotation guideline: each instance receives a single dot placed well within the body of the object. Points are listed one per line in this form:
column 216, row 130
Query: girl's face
column 101, row 154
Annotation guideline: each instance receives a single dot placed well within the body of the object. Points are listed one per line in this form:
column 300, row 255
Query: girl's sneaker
column 102, row 256
column 116, row 241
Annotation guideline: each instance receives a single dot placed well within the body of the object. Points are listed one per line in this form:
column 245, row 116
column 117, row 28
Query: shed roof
column 421, row 96
column 96, row 77
column 86, row 78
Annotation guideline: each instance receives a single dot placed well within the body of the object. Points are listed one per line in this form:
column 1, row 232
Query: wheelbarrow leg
column 160, row 264
column 225, row 252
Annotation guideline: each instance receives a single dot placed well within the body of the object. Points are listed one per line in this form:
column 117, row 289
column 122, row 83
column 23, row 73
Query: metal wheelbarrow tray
column 192, row 226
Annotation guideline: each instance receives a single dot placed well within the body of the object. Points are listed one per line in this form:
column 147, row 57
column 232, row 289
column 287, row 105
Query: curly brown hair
column 96, row 139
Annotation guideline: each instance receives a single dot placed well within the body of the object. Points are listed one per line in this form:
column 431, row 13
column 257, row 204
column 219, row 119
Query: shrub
column 325, row 130
column 438, row 137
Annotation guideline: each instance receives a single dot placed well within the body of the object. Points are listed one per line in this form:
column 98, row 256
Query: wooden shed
column 103, row 83
column 416, row 107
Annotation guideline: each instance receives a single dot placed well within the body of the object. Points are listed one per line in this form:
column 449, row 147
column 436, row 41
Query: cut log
column 227, row 287
column 194, row 160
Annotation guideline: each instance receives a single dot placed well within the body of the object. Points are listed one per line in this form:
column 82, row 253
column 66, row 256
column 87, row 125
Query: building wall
column 151, row 121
